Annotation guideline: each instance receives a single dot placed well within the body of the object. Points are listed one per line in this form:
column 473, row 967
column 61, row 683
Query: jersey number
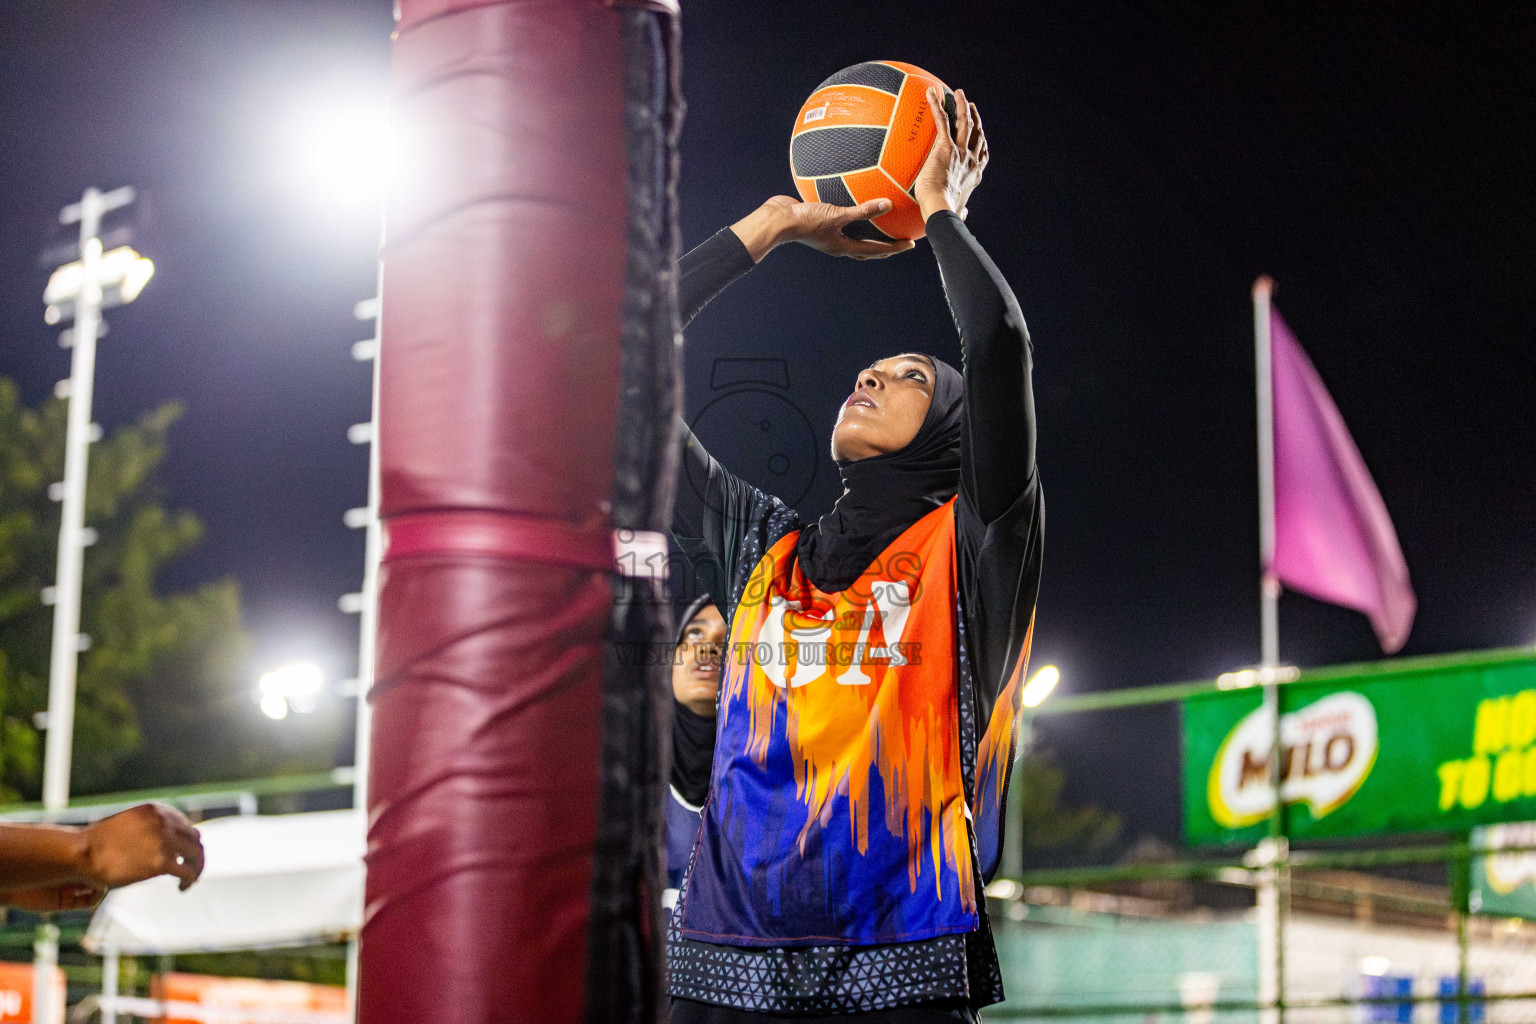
column 890, row 600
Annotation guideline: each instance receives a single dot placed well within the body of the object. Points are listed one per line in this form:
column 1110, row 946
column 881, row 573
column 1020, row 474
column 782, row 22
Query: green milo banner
column 1504, row 884
column 1429, row 744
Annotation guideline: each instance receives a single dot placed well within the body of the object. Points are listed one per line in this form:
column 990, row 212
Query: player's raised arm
column 998, row 459
column 712, row 505
column 711, row 266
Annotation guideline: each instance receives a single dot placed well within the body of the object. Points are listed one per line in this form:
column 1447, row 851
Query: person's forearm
column 706, row 271
column 995, row 342
column 760, row 231
column 32, row 856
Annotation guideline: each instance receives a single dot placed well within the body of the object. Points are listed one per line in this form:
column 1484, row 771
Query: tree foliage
column 159, row 692
column 1049, row 830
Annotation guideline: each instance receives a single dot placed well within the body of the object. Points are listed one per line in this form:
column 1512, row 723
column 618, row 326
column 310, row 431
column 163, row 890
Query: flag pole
column 1269, row 589
column 1271, row 851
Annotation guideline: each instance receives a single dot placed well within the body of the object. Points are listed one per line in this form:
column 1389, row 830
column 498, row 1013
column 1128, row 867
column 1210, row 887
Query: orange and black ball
column 864, row 134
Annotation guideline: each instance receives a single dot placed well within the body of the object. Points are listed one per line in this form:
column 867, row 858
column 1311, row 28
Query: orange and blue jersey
column 839, row 809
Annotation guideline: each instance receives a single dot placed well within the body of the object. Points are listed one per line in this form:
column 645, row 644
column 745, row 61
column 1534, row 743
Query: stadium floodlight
column 78, row 292
column 295, row 688
column 345, row 152
column 121, row 274
column 1040, row 687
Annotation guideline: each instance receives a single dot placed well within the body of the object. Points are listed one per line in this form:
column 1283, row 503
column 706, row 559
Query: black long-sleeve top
column 999, row 512
column 724, row 525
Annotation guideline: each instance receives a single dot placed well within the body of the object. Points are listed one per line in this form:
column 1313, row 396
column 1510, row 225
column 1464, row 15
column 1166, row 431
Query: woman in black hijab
column 695, row 689
column 867, row 713
column 884, row 492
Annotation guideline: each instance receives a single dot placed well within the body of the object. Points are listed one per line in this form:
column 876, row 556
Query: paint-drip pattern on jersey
column 838, row 810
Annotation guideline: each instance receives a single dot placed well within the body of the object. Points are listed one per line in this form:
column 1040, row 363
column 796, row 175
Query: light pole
column 366, row 518
column 76, row 291
column 366, row 602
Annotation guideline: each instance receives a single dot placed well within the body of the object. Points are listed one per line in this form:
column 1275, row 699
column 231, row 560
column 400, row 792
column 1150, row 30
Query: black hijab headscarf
column 693, row 735
column 885, row 494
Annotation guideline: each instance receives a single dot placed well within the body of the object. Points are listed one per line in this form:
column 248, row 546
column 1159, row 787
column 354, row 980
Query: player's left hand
column 956, row 161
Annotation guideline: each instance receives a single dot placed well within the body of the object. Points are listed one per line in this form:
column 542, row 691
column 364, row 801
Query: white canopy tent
column 268, row 880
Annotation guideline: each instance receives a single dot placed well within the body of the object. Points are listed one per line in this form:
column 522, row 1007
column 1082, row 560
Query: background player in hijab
column 695, row 688
column 838, row 868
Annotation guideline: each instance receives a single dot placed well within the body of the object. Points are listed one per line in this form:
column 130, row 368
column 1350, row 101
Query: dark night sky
column 1148, row 162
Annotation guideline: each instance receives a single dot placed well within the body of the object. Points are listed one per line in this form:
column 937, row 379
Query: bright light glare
column 1246, row 677
column 1375, row 966
column 1041, row 686
column 136, row 277
column 64, row 283
column 345, row 154
column 290, row 688
column 121, row 268
column 1004, row 889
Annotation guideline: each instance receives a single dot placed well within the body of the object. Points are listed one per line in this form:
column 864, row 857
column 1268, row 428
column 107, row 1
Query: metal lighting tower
column 77, row 291
column 366, row 602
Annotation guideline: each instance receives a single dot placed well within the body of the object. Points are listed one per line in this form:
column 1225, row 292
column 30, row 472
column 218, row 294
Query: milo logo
column 1326, row 751
column 1507, row 872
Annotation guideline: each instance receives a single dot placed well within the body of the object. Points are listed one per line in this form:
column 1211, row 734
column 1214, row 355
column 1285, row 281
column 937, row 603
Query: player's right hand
column 819, row 225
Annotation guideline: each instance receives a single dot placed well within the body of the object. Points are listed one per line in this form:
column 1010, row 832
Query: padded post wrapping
column 528, row 318
column 627, row 935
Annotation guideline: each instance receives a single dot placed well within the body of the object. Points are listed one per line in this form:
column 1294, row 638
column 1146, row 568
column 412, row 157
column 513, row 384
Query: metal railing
column 239, row 796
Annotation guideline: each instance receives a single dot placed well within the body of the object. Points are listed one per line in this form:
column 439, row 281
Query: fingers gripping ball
column 864, row 134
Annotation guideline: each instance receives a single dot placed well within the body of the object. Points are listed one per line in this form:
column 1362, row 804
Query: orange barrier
column 16, row 993
column 221, row 995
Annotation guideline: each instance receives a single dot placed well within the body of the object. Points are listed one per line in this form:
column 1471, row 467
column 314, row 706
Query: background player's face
column 696, row 667
column 886, row 409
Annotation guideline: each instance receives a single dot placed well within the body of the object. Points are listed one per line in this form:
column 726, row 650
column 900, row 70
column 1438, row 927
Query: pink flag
column 1333, row 538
